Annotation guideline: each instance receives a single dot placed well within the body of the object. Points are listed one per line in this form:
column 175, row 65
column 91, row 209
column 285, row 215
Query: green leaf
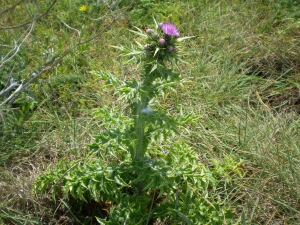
column 101, row 221
column 139, row 32
column 153, row 68
column 156, row 51
column 135, row 53
column 139, row 44
column 183, row 217
column 120, row 181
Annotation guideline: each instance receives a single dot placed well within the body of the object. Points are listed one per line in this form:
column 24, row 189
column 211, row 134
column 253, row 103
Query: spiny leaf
column 140, row 33
column 153, row 68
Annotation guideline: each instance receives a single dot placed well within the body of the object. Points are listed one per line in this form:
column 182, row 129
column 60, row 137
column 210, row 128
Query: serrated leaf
column 135, row 53
column 156, row 25
column 101, row 221
column 139, row 44
column 120, row 181
column 117, row 47
column 139, row 33
column 153, row 68
column 156, row 51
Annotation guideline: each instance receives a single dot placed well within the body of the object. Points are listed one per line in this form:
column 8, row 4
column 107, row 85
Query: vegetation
column 222, row 142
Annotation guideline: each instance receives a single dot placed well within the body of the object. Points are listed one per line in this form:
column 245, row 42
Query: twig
column 4, row 125
column 100, row 18
column 9, row 88
column 12, row 95
column 16, row 48
column 30, row 21
column 9, row 77
column 78, row 32
column 11, row 8
column 22, row 87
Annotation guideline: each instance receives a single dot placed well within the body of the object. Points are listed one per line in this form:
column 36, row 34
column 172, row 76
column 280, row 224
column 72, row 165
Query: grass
column 243, row 78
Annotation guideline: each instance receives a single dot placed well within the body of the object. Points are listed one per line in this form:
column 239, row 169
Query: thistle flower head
column 162, row 41
column 169, row 29
column 148, row 31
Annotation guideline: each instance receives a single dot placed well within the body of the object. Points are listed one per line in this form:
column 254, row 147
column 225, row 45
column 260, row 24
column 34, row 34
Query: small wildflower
column 171, row 49
column 170, row 29
column 148, row 31
column 83, row 8
column 146, row 47
column 162, row 41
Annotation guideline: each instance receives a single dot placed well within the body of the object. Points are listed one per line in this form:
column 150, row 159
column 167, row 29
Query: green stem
column 139, row 148
column 140, row 129
column 139, row 122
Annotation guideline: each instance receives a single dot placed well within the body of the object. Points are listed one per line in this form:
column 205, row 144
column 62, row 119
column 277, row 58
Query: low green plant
column 138, row 170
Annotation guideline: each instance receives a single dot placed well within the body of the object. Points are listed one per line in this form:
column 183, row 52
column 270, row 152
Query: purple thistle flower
column 162, row 41
column 170, row 29
column 171, row 49
column 148, row 31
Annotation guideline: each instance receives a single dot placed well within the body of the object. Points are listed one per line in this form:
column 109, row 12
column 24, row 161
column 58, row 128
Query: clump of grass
column 238, row 116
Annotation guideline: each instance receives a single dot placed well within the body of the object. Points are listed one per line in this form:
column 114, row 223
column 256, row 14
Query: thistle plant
column 139, row 173
column 160, row 47
column 158, row 56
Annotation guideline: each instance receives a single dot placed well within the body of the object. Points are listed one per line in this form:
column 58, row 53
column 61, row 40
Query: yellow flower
column 83, row 8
